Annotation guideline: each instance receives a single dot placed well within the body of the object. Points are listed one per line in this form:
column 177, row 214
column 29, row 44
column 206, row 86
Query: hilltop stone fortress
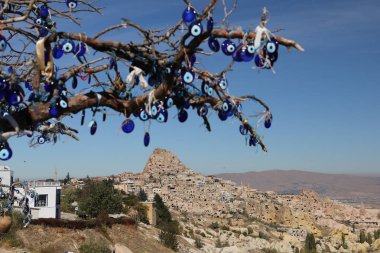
column 204, row 200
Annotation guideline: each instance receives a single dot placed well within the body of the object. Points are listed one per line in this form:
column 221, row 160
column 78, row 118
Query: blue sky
column 324, row 101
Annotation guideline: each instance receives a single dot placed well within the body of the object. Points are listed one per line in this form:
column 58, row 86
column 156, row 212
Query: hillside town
column 224, row 216
column 205, row 200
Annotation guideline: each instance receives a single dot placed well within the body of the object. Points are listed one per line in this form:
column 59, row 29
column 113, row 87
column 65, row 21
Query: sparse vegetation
column 99, row 197
column 262, row 235
column 169, row 228
column 369, row 238
column 214, row 225
column 69, row 195
column 270, row 250
column 310, row 245
column 198, row 242
column 94, row 246
column 11, row 238
column 169, row 239
column 362, row 237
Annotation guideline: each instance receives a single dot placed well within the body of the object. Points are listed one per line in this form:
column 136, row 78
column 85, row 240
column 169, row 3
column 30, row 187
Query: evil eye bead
column 268, row 121
column 196, row 29
column 182, row 115
column 146, row 139
column 213, row 44
column 202, row 111
column 223, row 84
column 210, row 24
column 228, row 47
column 271, row 46
column 143, row 115
column 63, row 103
column 41, row 140
column 5, row 151
column 42, row 32
column 169, row 102
column 93, row 127
column 244, row 54
column 57, row 51
column 72, row 4
column 44, row 11
column 80, row 49
column 162, row 116
column 226, row 106
column 259, row 61
column 210, row 91
column 222, row 115
column 53, row 111
column 188, row 76
column 39, row 21
column 68, row 46
column 189, row 14
column 3, row 43
column 243, row 129
column 15, row 98
column 251, row 49
column 154, row 110
column 128, row 126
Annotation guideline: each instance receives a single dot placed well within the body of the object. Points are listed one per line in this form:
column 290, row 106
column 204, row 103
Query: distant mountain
column 346, row 188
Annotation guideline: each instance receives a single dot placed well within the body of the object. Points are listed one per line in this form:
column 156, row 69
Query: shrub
column 169, row 240
column 198, row 243
column 94, row 247
column 249, row 230
column 214, row 225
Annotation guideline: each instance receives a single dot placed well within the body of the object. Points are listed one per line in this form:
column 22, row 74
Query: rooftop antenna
column 56, row 174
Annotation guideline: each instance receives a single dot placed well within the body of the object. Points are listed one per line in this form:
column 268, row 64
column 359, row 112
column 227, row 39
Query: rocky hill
column 283, row 221
column 352, row 189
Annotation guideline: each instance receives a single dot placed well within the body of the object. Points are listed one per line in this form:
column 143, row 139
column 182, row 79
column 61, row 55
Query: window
column 42, row 200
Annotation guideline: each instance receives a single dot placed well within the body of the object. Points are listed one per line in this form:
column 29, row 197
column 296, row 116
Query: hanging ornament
column 213, row 44
column 189, row 14
column 93, row 127
column 146, row 139
column 128, row 126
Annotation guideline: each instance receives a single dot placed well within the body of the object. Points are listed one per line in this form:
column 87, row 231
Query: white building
column 6, row 178
column 48, row 203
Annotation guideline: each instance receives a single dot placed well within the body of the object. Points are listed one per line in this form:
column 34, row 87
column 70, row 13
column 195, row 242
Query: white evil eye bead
column 143, row 115
column 196, row 29
column 205, row 88
column 5, row 154
column 223, row 84
column 210, row 91
column 251, row 49
column 63, row 104
column 68, row 46
column 154, row 110
column 228, row 47
column 225, row 106
column 38, row 21
column 169, row 102
column 162, row 117
column 41, row 140
column 188, row 77
column 271, row 46
column 5, row 151
column 72, row 4
column 3, row 43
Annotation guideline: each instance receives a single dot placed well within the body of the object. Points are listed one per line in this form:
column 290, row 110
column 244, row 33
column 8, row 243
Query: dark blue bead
column 146, row 139
column 128, row 126
column 189, row 14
